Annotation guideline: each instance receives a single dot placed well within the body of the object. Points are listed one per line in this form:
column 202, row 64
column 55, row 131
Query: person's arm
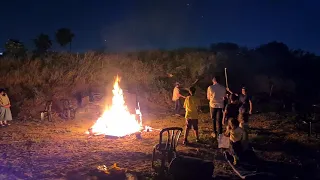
column 208, row 93
column 224, row 115
column 231, row 92
column 199, row 106
column 227, row 131
column 185, row 102
column 9, row 104
column 180, row 95
column 250, row 104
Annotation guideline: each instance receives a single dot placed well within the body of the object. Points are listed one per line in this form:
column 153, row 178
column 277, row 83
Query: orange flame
column 117, row 120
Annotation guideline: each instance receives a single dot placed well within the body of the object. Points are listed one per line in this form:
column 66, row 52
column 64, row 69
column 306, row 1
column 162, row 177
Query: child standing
column 191, row 104
column 236, row 134
column 5, row 112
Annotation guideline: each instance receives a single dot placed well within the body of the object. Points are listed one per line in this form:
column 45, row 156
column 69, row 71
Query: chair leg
column 163, row 161
column 170, row 156
column 153, row 157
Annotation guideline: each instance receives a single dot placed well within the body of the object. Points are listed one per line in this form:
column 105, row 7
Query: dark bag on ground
column 189, row 168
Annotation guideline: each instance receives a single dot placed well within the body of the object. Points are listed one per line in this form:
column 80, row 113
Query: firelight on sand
column 116, row 119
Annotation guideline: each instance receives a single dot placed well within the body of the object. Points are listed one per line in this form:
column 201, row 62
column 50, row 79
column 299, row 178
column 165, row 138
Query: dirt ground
column 62, row 150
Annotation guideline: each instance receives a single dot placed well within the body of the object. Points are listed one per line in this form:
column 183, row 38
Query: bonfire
column 116, row 119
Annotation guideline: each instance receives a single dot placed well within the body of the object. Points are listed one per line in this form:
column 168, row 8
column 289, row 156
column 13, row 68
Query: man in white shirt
column 176, row 99
column 216, row 94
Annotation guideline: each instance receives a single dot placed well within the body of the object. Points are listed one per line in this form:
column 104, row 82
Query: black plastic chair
column 167, row 146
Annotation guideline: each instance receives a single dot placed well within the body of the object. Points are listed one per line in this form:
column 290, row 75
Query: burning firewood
column 116, row 120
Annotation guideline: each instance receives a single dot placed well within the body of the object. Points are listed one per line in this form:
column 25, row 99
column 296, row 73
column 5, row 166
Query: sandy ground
column 62, row 150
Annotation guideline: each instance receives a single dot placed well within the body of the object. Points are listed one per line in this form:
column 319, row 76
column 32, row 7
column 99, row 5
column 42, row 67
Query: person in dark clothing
column 245, row 109
column 231, row 110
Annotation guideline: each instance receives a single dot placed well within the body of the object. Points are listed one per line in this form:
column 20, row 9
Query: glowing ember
column 117, row 120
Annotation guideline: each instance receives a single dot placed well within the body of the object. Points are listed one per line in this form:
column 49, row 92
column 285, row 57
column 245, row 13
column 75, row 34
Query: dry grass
column 61, row 150
column 61, row 76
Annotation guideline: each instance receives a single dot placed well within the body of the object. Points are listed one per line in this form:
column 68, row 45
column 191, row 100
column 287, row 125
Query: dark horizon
column 140, row 25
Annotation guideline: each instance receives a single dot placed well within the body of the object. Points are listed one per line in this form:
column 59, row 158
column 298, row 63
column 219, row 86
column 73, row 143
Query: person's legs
column 177, row 107
column 235, row 149
column 195, row 128
column 213, row 113
column 219, row 117
column 2, row 116
column 186, row 133
column 7, row 116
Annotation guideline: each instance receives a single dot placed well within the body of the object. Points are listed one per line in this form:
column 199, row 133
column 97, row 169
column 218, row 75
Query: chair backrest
column 173, row 135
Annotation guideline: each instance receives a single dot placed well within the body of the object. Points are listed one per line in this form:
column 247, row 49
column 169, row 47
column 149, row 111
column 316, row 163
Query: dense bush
column 32, row 81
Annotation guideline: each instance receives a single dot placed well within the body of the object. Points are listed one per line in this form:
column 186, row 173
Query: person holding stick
column 216, row 94
column 176, row 99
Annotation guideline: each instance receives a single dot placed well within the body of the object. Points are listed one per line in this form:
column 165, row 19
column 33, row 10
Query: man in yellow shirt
column 191, row 104
column 5, row 112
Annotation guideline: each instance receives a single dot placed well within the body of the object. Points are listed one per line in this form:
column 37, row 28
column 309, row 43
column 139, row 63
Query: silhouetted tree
column 43, row 43
column 15, row 48
column 64, row 36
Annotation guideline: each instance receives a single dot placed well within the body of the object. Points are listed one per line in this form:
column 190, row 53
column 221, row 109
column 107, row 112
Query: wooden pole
column 226, row 76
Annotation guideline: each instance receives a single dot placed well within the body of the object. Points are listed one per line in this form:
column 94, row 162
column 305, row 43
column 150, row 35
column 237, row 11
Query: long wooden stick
column 226, row 76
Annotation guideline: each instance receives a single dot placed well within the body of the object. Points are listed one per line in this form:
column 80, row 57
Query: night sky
column 123, row 25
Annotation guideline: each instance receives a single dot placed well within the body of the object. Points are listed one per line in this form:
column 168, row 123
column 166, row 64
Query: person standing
column 216, row 94
column 176, row 99
column 5, row 112
column 191, row 104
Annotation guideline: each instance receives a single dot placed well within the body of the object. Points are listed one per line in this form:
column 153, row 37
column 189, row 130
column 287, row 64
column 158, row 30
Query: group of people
column 5, row 112
column 226, row 108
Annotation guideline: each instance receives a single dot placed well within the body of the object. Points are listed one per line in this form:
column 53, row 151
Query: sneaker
column 178, row 115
